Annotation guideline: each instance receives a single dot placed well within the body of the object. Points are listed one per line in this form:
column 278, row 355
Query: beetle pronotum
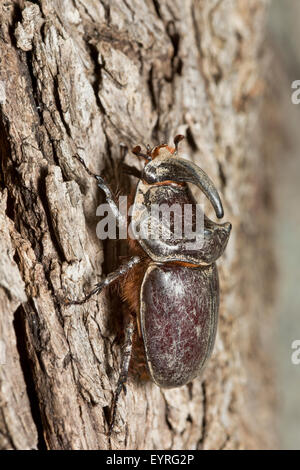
column 171, row 290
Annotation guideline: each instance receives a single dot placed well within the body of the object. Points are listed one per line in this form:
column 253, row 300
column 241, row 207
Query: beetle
column 171, row 290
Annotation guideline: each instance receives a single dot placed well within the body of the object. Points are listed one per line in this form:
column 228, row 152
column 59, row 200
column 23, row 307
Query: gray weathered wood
column 83, row 76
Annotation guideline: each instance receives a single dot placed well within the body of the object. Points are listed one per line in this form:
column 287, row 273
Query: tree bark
column 83, row 76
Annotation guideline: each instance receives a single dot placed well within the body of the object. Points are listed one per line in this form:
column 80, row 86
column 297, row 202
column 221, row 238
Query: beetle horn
column 183, row 171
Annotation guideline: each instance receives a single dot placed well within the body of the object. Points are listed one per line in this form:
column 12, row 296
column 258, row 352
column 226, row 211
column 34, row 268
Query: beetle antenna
column 138, row 152
column 178, row 138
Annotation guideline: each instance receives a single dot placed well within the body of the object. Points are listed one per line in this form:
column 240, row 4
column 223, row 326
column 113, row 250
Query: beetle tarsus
column 121, row 385
column 95, row 291
column 80, row 159
column 178, row 298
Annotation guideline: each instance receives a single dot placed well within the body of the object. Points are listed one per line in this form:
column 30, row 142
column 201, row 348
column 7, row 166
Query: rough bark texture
column 83, row 76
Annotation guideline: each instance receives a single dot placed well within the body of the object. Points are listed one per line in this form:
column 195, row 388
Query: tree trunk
column 83, row 76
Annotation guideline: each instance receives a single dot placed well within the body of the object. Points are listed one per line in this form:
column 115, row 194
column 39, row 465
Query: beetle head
column 165, row 166
column 162, row 150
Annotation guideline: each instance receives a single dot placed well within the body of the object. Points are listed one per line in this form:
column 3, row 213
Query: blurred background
column 282, row 143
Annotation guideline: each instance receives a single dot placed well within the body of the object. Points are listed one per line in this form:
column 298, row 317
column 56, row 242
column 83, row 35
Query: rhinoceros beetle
column 172, row 292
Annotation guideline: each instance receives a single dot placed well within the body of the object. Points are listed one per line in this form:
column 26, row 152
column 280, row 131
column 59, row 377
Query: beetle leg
column 126, row 355
column 106, row 189
column 123, row 269
column 131, row 170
